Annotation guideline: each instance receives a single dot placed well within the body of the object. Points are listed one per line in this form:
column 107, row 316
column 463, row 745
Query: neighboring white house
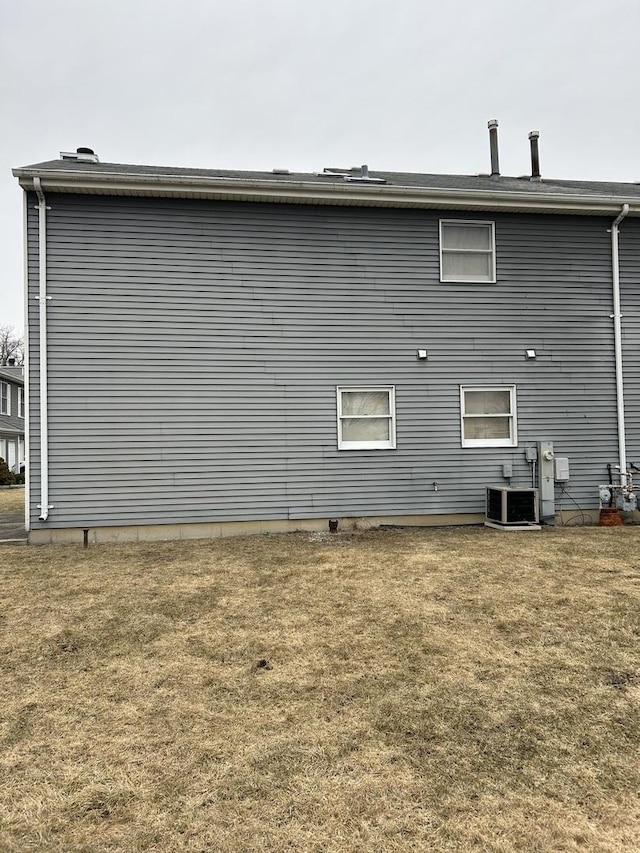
column 12, row 417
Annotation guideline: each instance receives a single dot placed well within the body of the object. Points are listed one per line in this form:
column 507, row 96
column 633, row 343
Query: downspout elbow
column 37, row 185
column 624, row 212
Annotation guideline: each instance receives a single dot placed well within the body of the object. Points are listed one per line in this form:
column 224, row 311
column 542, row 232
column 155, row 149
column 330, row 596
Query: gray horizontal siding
column 195, row 348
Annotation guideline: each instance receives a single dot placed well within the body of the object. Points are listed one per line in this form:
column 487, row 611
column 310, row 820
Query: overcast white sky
column 407, row 85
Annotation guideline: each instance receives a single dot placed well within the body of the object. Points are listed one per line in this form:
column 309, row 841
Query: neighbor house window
column 366, row 418
column 20, row 402
column 488, row 416
column 5, row 399
column 467, row 251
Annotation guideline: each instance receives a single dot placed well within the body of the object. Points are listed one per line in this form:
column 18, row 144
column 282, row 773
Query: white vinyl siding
column 488, row 416
column 366, row 418
column 467, row 251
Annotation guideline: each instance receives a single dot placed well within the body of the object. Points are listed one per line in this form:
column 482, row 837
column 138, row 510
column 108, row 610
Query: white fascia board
column 177, row 186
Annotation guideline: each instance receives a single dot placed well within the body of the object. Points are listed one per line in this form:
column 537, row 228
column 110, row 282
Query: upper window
column 467, row 251
column 5, row 398
column 20, row 402
column 366, row 418
column 488, row 415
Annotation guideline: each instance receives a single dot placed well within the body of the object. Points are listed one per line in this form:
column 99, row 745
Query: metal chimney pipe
column 493, row 144
column 535, row 155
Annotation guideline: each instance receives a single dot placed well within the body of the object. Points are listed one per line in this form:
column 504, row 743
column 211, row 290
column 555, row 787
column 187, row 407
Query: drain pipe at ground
column 617, row 343
column 42, row 300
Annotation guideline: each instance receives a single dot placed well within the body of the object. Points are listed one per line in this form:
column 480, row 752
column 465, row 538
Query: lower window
column 366, row 418
column 488, row 416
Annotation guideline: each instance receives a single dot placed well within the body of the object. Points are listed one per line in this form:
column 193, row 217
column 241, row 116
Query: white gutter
column 316, row 192
column 617, row 343
column 44, row 402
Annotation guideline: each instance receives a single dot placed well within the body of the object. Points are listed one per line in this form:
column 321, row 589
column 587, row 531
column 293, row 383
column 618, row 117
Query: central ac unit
column 512, row 508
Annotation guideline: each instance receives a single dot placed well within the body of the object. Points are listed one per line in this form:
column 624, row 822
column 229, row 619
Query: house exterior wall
column 195, row 348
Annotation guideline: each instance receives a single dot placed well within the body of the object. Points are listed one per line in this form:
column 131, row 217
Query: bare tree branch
column 11, row 345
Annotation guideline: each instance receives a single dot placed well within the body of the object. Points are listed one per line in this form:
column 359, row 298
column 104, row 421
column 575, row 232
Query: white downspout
column 44, row 505
column 25, row 369
column 617, row 343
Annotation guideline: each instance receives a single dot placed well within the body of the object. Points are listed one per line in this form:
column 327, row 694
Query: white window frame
column 390, row 444
column 512, row 440
column 20, row 402
column 5, row 393
column 492, row 251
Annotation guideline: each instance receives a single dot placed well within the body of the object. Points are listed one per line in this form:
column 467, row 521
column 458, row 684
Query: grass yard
column 11, row 501
column 446, row 690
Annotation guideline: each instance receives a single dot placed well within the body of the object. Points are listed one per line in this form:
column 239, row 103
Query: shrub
column 6, row 477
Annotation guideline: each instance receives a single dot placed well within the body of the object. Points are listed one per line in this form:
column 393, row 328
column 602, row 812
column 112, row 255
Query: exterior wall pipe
column 42, row 300
column 25, row 369
column 617, row 342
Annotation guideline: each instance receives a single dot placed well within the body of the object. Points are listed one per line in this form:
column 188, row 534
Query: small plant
column 6, row 477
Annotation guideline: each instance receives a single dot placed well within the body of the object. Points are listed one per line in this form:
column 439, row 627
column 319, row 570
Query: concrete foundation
column 214, row 530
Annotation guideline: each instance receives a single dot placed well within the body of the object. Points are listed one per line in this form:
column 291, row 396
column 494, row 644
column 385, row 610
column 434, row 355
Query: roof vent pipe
column 493, row 144
column 82, row 155
column 535, row 155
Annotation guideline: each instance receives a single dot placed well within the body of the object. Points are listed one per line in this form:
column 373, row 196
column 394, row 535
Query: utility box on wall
column 562, row 469
column 546, row 481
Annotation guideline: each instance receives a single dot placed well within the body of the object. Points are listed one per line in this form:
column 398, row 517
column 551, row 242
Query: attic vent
column 357, row 174
column 84, row 155
column 365, row 177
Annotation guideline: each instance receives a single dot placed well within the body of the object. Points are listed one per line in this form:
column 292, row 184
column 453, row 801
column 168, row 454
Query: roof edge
column 296, row 191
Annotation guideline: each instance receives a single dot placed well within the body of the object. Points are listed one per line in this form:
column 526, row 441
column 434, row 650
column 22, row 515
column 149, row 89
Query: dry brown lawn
column 11, row 501
column 446, row 690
